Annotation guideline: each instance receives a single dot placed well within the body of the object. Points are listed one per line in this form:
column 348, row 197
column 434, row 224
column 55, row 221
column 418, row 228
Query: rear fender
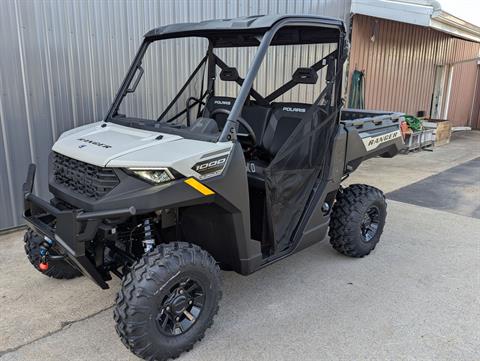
column 370, row 137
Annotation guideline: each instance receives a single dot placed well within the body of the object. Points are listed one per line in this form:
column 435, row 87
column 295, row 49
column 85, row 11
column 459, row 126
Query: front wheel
column 357, row 220
column 167, row 301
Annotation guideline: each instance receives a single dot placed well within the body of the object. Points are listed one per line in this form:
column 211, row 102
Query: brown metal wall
column 399, row 63
column 476, row 104
column 462, row 95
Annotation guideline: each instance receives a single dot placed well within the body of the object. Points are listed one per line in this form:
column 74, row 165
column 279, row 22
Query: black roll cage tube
column 229, row 130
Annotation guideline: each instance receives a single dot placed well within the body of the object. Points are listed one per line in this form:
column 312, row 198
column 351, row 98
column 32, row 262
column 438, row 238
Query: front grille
column 82, row 178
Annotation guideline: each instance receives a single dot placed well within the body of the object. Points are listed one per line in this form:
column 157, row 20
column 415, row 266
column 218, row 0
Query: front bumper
column 73, row 227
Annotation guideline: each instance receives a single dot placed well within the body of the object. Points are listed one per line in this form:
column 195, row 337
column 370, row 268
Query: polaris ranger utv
column 164, row 194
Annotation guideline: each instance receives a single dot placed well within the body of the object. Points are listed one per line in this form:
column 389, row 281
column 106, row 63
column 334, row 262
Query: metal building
column 416, row 57
column 62, row 61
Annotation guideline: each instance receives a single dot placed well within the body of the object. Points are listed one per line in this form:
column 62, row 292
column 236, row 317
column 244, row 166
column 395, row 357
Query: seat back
column 255, row 115
column 283, row 121
column 215, row 103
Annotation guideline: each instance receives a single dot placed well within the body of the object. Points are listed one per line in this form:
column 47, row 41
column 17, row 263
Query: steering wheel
column 243, row 122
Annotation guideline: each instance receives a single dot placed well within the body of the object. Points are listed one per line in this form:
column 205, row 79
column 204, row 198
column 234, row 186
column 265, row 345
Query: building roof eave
column 405, row 12
column 453, row 25
column 426, row 13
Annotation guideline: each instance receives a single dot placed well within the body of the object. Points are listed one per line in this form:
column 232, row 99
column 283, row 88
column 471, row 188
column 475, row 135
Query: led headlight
column 155, row 176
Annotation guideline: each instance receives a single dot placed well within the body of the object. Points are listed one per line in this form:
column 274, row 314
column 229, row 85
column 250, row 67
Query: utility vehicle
column 226, row 175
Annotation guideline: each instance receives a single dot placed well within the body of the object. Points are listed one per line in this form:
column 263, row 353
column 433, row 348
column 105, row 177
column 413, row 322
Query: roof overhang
column 427, row 13
column 450, row 24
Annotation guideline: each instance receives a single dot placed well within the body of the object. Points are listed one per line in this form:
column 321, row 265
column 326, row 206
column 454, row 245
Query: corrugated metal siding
column 399, row 62
column 462, row 96
column 476, row 104
column 62, row 61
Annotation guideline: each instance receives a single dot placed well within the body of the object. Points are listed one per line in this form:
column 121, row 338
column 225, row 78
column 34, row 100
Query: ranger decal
column 94, row 143
column 373, row 142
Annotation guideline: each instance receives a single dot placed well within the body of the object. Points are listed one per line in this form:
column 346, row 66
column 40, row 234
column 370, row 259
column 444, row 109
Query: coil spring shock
column 148, row 240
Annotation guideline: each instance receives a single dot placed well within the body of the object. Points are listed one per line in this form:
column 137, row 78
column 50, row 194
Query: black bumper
column 72, row 227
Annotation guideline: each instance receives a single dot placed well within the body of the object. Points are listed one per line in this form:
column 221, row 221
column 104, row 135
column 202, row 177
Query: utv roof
column 235, row 32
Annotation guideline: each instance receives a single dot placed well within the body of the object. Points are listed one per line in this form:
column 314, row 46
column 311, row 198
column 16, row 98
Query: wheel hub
column 370, row 223
column 181, row 307
column 179, row 304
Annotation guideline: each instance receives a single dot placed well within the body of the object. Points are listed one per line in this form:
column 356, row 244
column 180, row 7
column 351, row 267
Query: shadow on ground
column 455, row 190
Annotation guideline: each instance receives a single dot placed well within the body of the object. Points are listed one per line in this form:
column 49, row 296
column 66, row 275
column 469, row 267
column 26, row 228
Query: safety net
column 301, row 164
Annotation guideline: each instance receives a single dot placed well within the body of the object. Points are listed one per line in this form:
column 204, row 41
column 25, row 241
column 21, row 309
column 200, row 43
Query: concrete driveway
column 416, row 297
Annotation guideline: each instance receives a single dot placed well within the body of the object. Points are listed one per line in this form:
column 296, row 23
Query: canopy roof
column 302, row 29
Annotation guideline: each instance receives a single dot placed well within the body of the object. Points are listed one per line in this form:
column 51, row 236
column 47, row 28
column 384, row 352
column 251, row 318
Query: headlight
column 155, row 176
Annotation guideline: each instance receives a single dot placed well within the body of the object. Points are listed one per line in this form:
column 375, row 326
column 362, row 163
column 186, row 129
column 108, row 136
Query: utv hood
column 99, row 143
column 117, row 146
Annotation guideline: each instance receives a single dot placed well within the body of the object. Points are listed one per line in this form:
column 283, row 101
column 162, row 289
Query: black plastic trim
column 73, row 227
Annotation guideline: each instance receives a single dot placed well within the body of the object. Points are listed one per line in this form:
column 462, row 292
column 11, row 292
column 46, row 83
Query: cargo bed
column 370, row 134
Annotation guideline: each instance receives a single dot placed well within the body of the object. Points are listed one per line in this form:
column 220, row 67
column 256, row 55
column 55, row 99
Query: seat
column 283, row 121
column 215, row 103
column 255, row 115
column 285, row 118
column 272, row 126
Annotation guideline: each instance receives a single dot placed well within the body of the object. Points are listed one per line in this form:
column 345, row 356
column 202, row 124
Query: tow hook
column 44, row 248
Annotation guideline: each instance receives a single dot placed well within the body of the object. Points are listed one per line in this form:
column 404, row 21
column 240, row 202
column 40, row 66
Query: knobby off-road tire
column 357, row 220
column 58, row 269
column 162, row 292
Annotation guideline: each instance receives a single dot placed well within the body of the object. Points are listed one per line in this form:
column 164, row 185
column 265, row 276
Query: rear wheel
column 357, row 220
column 167, row 301
column 57, row 268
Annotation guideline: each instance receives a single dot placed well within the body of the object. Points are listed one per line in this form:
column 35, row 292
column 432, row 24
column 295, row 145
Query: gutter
column 452, row 25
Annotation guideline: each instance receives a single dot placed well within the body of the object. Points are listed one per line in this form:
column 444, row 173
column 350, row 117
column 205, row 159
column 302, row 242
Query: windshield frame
column 265, row 37
column 123, row 91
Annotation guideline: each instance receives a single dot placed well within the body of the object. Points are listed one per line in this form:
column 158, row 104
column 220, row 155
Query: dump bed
column 370, row 134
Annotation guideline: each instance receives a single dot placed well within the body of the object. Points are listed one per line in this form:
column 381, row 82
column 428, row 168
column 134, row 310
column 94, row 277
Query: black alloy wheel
column 181, row 308
column 167, row 301
column 370, row 223
column 357, row 220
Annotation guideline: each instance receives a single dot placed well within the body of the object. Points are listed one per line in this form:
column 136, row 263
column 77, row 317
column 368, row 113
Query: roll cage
column 260, row 31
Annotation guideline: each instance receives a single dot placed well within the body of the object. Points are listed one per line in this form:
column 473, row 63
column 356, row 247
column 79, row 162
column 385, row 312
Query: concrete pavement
column 416, row 297
column 402, row 170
